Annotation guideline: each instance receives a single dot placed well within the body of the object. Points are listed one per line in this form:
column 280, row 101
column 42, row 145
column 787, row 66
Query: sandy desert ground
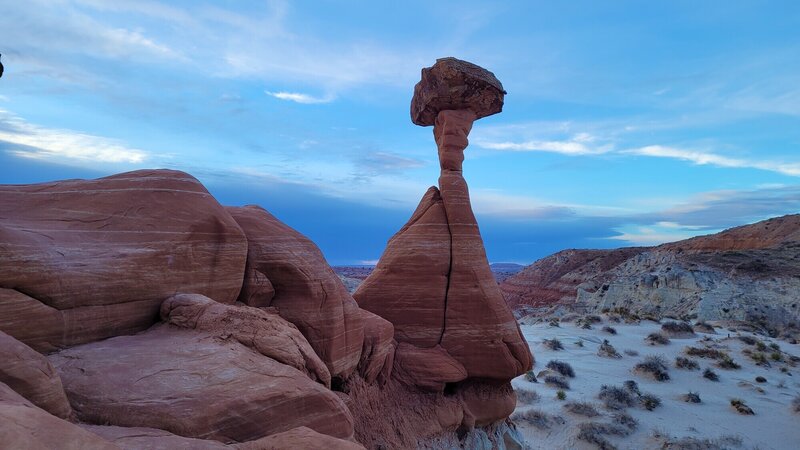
column 547, row 422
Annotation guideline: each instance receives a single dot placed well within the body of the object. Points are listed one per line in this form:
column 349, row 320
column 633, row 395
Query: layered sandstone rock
column 25, row 426
column 196, row 385
column 433, row 281
column 264, row 331
column 287, row 271
column 88, row 259
column 32, row 376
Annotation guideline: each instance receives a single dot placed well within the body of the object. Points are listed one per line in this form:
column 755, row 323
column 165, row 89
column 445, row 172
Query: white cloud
column 706, row 158
column 32, row 141
column 577, row 145
column 298, row 97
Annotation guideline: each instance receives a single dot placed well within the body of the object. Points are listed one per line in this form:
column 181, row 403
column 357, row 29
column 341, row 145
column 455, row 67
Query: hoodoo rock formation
column 435, row 267
column 137, row 312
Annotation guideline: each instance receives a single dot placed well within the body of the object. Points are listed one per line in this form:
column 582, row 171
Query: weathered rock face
column 409, row 285
column 428, row 368
column 155, row 439
column 193, row 384
column 263, row 331
column 555, row 279
column 287, row 271
column 83, row 260
column 453, row 84
column 297, row 438
column 23, row 425
column 435, row 268
column 32, row 376
column 747, row 273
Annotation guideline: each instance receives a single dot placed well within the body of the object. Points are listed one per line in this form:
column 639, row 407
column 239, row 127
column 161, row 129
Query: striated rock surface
column 287, row 271
column 428, row 368
column 377, row 355
column 25, row 426
column 32, row 376
column 297, row 438
column 747, row 273
column 195, row 385
column 433, row 281
column 88, row 259
column 264, row 331
column 409, row 284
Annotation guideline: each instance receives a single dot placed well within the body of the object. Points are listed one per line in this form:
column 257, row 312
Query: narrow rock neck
column 450, row 132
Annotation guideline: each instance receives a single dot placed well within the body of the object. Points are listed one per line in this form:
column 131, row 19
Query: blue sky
column 625, row 123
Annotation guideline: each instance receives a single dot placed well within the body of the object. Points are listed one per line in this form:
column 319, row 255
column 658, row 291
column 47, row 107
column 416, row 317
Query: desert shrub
column 594, row 432
column 703, row 327
column 561, row 395
column 775, row 346
column 657, row 339
column 796, row 404
column 705, row 352
column 607, row 350
column 655, row 366
column 692, row 397
column 686, row 363
column 561, row 367
column 535, row 417
column 553, row 344
column 531, row 376
column 630, row 352
column 581, row 409
column 710, row 375
column 677, row 328
column 556, row 381
column 692, row 443
column 776, row 356
column 726, row 362
column 760, row 379
column 649, row 401
column 609, row 330
column 569, row 317
column 626, row 420
column 614, row 318
column 615, row 397
column 586, row 326
column 527, row 397
column 579, row 343
column 632, row 387
column 759, row 358
column 741, row 407
column 749, row 340
column 592, row 318
column 760, row 346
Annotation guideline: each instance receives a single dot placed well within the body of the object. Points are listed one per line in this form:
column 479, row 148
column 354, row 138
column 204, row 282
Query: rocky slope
column 749, row 273
column 137, row 312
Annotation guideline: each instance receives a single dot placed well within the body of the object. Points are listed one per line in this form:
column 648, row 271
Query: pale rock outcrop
column 84, row 260
column 32, row 376
column 287, row 271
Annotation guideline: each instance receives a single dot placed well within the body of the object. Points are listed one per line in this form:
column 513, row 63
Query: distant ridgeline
column 749, row 274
